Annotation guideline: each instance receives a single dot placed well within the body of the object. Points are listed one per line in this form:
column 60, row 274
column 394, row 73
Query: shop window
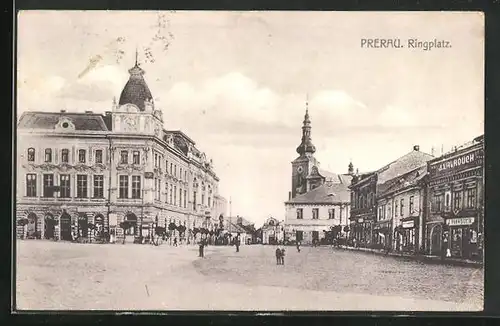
column 300, row 213
column 31, row 155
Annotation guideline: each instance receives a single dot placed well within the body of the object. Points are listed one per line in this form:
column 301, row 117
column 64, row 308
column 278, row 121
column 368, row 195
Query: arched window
column 31, row 154
column 48, row 155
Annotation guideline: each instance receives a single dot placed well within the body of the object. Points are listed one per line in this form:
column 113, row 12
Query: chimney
column 289, row 195
column 416, row 148
column 89, row 112
column 62, row 111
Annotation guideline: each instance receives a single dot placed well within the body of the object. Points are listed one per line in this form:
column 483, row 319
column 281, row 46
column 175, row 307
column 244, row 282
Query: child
column 278, row 256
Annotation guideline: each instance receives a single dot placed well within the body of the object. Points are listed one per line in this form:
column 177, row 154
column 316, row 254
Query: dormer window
column 48, row 155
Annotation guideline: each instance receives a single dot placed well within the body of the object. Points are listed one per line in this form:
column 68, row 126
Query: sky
column 237, row 83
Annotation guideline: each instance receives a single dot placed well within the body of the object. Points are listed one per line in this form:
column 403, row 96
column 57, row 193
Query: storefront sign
column 458, row 162
column 408, row 224
column 460, row 221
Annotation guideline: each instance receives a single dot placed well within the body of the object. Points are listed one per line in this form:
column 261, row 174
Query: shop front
column 408, row 235
column 462, row 237
column 382, row 234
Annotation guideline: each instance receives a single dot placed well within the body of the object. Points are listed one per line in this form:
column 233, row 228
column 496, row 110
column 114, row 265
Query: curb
column 420, row 258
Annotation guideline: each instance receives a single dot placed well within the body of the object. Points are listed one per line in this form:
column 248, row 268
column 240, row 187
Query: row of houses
column 422, row 204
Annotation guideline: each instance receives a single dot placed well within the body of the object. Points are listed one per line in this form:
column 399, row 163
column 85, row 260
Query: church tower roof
column 136, row 91
column 306, row 146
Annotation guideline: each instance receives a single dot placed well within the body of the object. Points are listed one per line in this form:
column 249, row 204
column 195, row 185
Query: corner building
column 456, row 206
column 77, row 169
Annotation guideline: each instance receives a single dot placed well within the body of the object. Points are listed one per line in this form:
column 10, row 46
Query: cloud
column 99, row 84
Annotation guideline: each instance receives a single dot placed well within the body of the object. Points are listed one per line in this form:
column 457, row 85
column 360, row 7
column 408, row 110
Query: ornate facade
column 76, row 169
column 319, row 200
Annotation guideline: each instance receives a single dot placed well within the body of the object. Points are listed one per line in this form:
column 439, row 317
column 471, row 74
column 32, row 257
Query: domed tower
column 135, row 111
column 302, row 165
column 136, row 91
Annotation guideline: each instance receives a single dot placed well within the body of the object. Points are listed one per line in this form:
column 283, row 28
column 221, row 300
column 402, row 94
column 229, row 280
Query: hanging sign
column 460, row 221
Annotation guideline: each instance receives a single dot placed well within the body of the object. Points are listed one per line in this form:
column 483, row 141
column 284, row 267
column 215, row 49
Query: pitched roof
column 401, row 182
column 49, row 120
column 402, row 165
column 327, row 193
column 233, row 227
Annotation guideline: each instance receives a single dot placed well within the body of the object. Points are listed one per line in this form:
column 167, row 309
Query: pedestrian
column 237, row 243
column 278, row 256
column 298, row 246
column 201, row 249
column 175, row 242
column 282, row 256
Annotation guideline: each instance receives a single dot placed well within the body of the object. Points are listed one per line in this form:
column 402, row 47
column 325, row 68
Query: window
column 123, row 192
column 380, row 208
column 180, row 173
column 389, row 212
column 471, row 197
column 123, row 157
column 180, row 197
column 175, row 195
column 457, row 200
column 166, row 192
column 412, row 208
column 170, row 195
column 98, row 186
column 185, row 176
column 300, row 213
column 65, row 185
column 48, row 155
column 31, row 185
column 81, row 186
column 48, row 184
column 331, row 214
column 136, row 157
column 31, row 154
column 194, row 200
column 171, row 167
column 156, row 160
column 175, row 170
column 185, row 199
column 81, row 156
column 202, row 198
column 401, row 207
column 98, row 155
column 395, row 208
column 447, row 201
column 65, row 155
column 209, row 201
column 157, row 189
column 438, row 203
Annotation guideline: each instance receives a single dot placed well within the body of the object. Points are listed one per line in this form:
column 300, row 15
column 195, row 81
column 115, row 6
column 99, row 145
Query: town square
column 161, row 169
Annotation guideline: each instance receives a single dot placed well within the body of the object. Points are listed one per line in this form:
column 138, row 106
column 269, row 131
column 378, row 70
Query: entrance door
column 315, row 236
column 456, row 242
column 65, row 227
column 83, row 225
column 32, row 225
column 299, row 235
column 435, row 245
column 50, row 226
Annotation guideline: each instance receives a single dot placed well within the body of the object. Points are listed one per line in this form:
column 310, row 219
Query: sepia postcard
column 249, row 161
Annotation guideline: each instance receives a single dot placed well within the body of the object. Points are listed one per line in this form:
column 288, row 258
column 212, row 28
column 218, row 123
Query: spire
column 350, row 168
column 306, row 145
column 136, row 56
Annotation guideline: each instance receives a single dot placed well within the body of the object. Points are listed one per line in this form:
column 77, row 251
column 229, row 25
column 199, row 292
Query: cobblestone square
column 63, row 276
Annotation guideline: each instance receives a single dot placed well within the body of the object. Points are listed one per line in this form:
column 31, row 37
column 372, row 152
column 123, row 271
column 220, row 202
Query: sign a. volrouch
column 460, row 221
column 460, row 162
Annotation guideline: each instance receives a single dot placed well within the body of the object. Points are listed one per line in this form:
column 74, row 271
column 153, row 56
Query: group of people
column 280, row 254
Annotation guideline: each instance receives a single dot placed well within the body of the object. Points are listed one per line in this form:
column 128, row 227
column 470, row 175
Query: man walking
column 237, row 243
column 201, row 249
column 278, row 256
column 283, row 256
column 298, row 246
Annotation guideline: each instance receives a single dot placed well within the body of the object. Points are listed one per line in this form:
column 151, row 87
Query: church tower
column 302, row 165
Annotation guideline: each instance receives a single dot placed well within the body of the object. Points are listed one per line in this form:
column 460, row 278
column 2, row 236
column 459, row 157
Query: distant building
column 319, row 199
column 365, row 189
column 400, row 221
column 76, row 170
column 272, row 231
column 456, row 195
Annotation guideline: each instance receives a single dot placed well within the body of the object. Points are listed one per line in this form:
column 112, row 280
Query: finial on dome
column 136, row 56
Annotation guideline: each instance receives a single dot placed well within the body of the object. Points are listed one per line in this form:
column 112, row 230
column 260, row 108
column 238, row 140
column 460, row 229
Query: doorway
column 83, row 225
column 65, row 227
column 50, row 226
column 32, row 226
column 435, row 245
column 315, row 236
